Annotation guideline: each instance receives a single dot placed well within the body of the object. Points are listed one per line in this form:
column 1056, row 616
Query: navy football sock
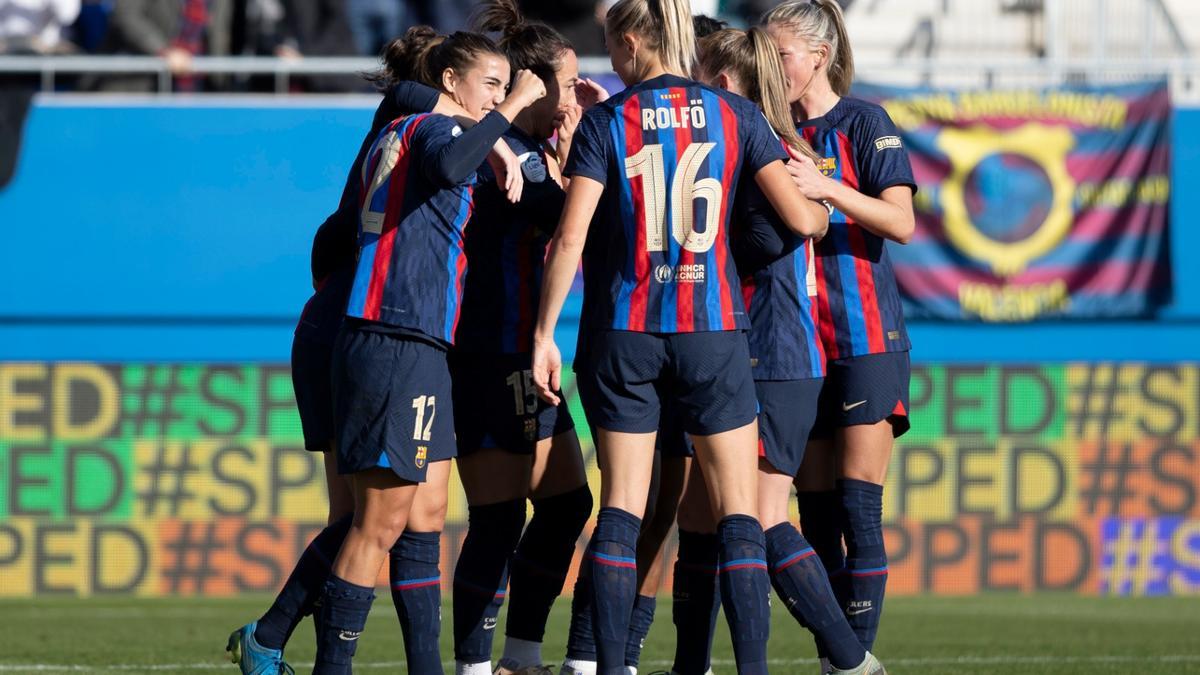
column 697, row 600
column 540, row 564
column 343, row 608
column 611, row 557
column 303, row 587
column 801, row 582
column 866, row 560
column 417, row 595
column 821, row 524
column 581, row 641
column 481, row 576
column 639, row 627
column 745, row 591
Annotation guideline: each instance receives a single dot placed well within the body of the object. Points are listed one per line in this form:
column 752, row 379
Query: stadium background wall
column 155, row 258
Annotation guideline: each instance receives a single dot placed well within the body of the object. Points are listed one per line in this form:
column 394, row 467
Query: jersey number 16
column 685, row 189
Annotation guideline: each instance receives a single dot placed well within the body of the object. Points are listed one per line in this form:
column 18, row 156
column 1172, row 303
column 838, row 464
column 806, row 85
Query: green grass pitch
column 987, row 634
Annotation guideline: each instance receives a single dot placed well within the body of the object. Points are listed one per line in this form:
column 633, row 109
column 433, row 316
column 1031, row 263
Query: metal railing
column 1182, row 73
column 48, row 68
column 1056, row 29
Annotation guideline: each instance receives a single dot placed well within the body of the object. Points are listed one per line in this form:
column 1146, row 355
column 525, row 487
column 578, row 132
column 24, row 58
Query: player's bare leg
column 729, row 464
column 382, row 501
column 626, row 463
column 660, row 518
column 774, row 495
column 557, row 466
column 341, row 499
column 865, row 450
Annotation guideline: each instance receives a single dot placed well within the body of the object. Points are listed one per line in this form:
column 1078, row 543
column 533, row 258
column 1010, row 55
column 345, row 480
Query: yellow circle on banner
column 1047, row 146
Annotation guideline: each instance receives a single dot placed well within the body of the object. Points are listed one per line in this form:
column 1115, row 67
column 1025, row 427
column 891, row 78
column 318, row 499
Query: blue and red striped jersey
column 335, row 245
column 779, row 287
column 506, row 254
column 671, row 154
column 858, row 301
column 411, row 262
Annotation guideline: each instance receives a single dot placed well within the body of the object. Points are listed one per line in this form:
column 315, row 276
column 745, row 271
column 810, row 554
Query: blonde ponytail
column 666, row 27
column 753, row 60
column 679, row 37
column 773, row 91
column 820, row 22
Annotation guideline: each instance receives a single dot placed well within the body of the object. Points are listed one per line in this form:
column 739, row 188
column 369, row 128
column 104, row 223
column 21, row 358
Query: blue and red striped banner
column 1035, row 203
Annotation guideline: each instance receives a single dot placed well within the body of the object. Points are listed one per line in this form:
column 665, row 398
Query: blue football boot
column 253, row 658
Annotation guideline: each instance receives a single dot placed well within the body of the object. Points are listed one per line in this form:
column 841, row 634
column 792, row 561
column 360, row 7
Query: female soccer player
column 865, row 174
column 415, row 556
column 512, row 446
column 389, row 359
column 779, row 285
column 664, row 159
column 673, row 458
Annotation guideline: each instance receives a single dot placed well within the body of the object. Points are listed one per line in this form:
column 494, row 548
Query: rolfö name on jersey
column 691, row 117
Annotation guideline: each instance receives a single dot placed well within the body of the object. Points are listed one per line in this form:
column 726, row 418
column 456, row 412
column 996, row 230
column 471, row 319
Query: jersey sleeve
column 590, row 150
column 760, row 143
column 756, row 242
column 883, row 161
column 448, row 155
column 413, row 97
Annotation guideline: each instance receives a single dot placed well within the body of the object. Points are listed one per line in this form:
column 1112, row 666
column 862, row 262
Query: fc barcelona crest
column 422, row 453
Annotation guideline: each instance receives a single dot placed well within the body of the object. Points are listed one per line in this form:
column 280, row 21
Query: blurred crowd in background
column 178, row 30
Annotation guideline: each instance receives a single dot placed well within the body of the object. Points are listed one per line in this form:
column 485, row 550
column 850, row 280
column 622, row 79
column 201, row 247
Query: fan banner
column 1035, row 203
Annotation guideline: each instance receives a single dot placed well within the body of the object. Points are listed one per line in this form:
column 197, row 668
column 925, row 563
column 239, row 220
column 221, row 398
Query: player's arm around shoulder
column 801, row 214
column 765, row 156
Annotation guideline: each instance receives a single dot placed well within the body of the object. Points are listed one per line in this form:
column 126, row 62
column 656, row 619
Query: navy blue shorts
column 787, row 410
column 498, row 405
column 706, row 375
column 865, row 390
column 312, row 381
column 392, row 403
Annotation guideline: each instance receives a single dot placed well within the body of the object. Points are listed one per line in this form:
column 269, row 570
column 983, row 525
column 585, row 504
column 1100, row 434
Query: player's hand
column 547, row 370
column 565, row 124
column 507, row 167
column 526, row 88
column 589, row 92
column 807, row 177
